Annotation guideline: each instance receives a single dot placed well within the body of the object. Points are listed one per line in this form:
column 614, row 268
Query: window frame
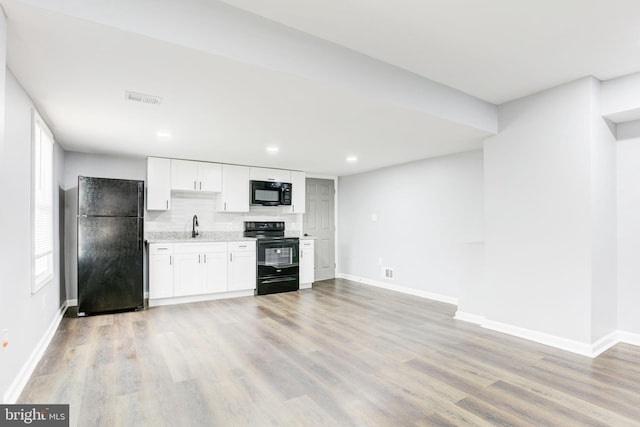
column 39, row 128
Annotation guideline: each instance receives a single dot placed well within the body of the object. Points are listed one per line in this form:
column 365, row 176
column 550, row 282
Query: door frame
column 334, row 178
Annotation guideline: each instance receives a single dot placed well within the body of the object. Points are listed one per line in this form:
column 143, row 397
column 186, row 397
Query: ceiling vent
column 141, row 97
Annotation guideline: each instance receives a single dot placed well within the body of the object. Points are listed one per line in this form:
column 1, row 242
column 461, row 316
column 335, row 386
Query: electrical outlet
column 374, row 217
column 387, row 273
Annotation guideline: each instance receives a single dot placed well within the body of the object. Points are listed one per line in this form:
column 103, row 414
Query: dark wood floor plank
column 339, row 354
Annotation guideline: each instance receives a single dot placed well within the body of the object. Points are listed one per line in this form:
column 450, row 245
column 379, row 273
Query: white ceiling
column 222, row 106
column 496, row 50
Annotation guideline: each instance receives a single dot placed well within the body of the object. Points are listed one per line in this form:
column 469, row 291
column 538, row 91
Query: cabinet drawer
column 306, row 244
column 160, row 248
column 199, row 248
column 246, row 246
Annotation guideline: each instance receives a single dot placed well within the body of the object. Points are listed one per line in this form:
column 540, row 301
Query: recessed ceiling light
column 352, row 159
column 273, row 149
column 163, row 135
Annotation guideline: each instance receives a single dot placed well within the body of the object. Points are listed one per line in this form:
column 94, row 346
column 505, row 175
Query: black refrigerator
column 110, row 245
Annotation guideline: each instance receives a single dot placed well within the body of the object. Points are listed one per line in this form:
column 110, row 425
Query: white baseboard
column 305, row 285
column 72, row 302
column 590, row 350
column 402, row 289
column 629, row 338
column 540, row 337
column 468, row 317
column 604, row 343
column 199, row 298
column 13, row 392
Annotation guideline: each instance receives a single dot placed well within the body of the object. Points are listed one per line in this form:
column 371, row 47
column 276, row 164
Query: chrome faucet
column 194, row 232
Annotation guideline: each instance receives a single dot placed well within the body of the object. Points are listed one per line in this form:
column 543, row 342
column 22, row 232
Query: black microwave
column 270, row 193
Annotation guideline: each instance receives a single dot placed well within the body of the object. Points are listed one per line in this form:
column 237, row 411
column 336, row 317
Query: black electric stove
column 277, row 257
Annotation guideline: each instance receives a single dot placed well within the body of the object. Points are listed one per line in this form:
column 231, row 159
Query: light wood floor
column 340, row 354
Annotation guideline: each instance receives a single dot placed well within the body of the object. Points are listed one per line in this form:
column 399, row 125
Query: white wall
column 429, row 223
column 629, row 227
column 27, row 317
column 604, row 268
column 537, row 207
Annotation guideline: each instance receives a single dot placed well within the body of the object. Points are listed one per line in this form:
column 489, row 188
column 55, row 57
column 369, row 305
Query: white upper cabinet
column 235, row 189
column 298, row 193
column 184, row 175
column 276, row 175
column 187, row 175
column 210, row 177
column 158, row 184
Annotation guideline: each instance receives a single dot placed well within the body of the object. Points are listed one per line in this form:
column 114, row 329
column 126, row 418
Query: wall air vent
column 141, row 97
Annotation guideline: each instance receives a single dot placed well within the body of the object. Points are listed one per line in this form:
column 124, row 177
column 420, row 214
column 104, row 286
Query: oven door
column 277, row 257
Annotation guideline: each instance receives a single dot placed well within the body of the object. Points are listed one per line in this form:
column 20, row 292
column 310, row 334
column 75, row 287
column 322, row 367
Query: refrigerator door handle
column 140, row 197
column 139, row 234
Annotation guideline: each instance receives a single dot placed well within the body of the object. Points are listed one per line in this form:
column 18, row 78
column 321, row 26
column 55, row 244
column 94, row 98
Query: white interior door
column 319, row 223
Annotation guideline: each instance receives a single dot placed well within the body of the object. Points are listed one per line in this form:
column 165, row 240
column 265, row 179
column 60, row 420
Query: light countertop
column 204, row 236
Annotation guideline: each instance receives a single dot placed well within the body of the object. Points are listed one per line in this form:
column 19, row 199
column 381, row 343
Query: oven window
column 278, row 256
column 267, row 195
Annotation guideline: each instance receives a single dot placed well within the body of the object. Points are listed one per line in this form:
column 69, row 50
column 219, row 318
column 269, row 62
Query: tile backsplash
column 185, row 205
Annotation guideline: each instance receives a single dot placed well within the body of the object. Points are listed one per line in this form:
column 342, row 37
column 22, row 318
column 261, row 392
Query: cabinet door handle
column 225, row 206
column 242, row 246
column 169, row 259
column 194, row 185
column 205, row 258
column 231, row 257
column 167, row 203
column 200, row 185
column 198, row 258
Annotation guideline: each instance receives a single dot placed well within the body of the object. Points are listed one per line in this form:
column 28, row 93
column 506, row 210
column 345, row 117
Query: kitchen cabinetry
column 160, row 270
column 187, row 175
column 158, row 184
column 235, row 189
column 215, row 270
column 198, row 269
column 242, row 265
column 298, row 193
column 264, row 174
column 307, row 255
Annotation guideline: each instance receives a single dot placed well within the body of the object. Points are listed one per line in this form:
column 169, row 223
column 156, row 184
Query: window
column 42, row 203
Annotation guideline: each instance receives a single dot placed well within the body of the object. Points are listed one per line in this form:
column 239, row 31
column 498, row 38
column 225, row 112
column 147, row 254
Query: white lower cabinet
column 242, row 265
column 160, row 270
column 191, row 269
column 195, row 268
column 215, row 279
column 307, row 253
